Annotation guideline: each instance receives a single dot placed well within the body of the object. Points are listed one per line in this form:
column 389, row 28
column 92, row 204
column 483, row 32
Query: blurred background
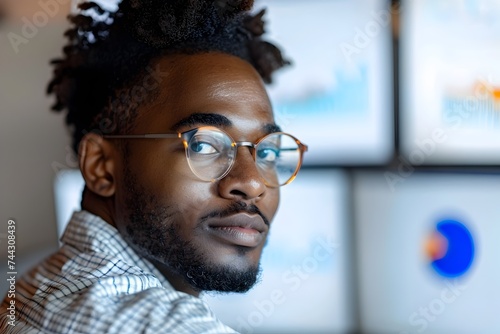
column 393, row 224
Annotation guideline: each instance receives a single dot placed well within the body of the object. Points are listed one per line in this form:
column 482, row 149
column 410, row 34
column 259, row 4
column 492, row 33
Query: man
column 182, row 162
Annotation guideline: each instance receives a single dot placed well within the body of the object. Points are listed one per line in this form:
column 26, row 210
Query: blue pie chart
column 456, row 249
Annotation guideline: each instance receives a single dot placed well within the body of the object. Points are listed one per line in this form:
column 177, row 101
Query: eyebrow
column 218, row 120
column 271, row 128
column 205, row 119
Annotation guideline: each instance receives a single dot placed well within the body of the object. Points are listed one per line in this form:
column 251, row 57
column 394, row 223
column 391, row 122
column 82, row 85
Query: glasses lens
column 277, row 157
column 210, row 153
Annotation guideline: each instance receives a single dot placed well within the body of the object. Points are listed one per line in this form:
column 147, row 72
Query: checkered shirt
column 95, row 283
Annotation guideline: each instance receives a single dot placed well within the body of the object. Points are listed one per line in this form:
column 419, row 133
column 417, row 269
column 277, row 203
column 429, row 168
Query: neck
column 98, row 205
column 177, row 281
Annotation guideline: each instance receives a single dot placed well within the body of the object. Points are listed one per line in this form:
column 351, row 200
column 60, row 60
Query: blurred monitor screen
column 68, row 188
column 427, row 252
column 337, row 95
column 450, row 81
column 306, row 283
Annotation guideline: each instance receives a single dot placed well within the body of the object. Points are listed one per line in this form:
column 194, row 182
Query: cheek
column 270, row 204
column 186, row 199
column 163, row 171
column 165, row 176
column 190, row 201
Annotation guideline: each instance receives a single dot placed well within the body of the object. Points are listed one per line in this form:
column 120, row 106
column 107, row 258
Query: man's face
column 210, row 234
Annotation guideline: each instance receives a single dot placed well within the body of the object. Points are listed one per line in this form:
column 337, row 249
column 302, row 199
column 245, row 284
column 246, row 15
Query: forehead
column 211, row 83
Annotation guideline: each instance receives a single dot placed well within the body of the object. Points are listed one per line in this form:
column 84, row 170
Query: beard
column 153, row 233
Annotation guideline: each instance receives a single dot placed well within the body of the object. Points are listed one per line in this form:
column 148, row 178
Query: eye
column 200, row 147
column 268, row 154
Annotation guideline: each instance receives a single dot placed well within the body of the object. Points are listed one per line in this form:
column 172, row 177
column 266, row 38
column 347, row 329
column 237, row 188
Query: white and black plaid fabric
column 96, row 283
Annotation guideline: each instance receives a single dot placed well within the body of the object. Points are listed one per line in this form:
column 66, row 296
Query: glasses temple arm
column 144, row 136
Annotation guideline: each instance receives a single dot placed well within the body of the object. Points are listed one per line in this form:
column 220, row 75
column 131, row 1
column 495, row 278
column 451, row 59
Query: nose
column 243, row 182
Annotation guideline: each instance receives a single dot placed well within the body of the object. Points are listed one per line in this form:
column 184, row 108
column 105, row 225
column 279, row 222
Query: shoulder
column 93, row 292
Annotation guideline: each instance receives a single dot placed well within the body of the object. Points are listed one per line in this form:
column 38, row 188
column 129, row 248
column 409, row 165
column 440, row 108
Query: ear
column 98, row 162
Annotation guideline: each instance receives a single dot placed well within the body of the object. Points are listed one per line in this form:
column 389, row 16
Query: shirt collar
column 90, row 233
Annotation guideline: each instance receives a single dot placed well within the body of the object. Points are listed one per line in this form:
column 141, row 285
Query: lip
column 240, row 229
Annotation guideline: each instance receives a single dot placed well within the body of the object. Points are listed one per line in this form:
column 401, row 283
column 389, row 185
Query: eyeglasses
column 211, row 153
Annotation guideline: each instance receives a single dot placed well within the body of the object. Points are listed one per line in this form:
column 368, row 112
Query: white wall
column 32, row 137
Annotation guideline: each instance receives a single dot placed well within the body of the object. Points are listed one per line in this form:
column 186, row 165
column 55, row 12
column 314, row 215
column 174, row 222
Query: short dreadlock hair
column 108, row 52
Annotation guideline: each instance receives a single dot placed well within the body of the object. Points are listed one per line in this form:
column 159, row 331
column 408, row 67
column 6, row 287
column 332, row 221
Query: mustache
column 235, row 208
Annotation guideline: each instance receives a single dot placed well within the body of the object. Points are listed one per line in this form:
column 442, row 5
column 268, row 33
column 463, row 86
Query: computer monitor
column 68, row 188
column 427, row 252
column 450, row 82
column 337, row 95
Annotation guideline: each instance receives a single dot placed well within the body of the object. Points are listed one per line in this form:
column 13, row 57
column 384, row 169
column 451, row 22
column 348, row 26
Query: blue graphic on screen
column 349, row 97
column 451, row 248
